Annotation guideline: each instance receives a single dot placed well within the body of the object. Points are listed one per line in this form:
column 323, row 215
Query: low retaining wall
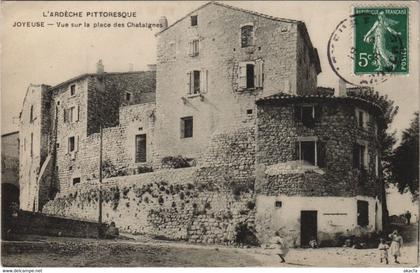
column 37, row 223
column 167, row 203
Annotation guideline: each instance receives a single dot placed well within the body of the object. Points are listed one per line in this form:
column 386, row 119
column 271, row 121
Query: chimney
column 100, row 67
column 163, row 22
column 151, row 67
column 130, row 67
column 342, row 88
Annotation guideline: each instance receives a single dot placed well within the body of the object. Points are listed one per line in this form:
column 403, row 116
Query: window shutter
column 297, row 151
column 321, row 152
column 318, row 112
column 367, row 120
column 189, row 83
column 191, row 48
column 242, row 76
column 259, row 65
column 203, row 81
column 297, row 112
column 77, row 113
column 367, row 158
column 355, row 156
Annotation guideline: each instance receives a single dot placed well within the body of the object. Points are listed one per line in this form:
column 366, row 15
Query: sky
column 52, row 55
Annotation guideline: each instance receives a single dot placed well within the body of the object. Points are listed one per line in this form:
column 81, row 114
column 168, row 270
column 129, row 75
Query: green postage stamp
column 381, row 40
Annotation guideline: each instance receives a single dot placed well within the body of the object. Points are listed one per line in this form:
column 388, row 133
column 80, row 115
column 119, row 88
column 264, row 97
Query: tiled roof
column 93, row 75
column 233, row 8
column 284, row 96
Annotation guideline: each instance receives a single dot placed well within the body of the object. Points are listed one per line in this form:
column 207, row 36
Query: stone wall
column 106, row 94
column 118, row 147
column 41, row 224
column 10, row 158
column 168, row 204
column 277, row 135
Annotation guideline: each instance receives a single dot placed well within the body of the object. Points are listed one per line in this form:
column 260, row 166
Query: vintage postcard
column 209, row 134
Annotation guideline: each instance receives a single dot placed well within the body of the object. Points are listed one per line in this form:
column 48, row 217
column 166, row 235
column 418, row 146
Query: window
column 278, row 204
column 194, row 20
column 308, row 114
column 251, row 74
column 247, row 36
column 72, row 90
column 360, row 156
column 140, row 148
column 186, row 127
column 311, row 151
column 71, row 114
column 197, row 83
column 128, row 96
column 72, row 144
column 362, row 213
column 76, row 180
column 307, row 152
column 194, row 47
column 31, row 114
column 362, row 118
column 32, row 144
column 249, row 111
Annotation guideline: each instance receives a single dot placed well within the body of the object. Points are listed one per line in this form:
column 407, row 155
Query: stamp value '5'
column 381, row 40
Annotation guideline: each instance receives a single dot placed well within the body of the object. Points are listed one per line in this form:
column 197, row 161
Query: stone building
column 9, row 168
column 235, row 94
column 60, row 128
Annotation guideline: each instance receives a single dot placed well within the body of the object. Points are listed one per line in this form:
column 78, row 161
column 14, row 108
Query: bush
column 246, row 235
column 176, row 162
column 144, row 169
column 250, row 205
column 110, row 170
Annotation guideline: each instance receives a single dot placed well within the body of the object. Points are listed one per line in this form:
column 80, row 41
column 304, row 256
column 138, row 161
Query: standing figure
column 279, row 245
column 383, row 249
column 396, row 244
column 383, row 57
column 408, row 217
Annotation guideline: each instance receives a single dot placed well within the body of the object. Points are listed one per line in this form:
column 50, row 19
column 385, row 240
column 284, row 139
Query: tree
column 405, row 160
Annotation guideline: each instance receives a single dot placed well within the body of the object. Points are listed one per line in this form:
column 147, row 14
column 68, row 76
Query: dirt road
column 64, row 252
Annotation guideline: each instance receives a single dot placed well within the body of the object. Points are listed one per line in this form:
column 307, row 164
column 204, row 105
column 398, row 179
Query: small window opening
column 141, row 148
column 76, row 180
column 278, row 204
column 194, row 20
column 249, row 111
column 31, row 114
column 72, row 90
column 186, row 127
column 128, row 96
column 71, row 144
column 247, row 33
